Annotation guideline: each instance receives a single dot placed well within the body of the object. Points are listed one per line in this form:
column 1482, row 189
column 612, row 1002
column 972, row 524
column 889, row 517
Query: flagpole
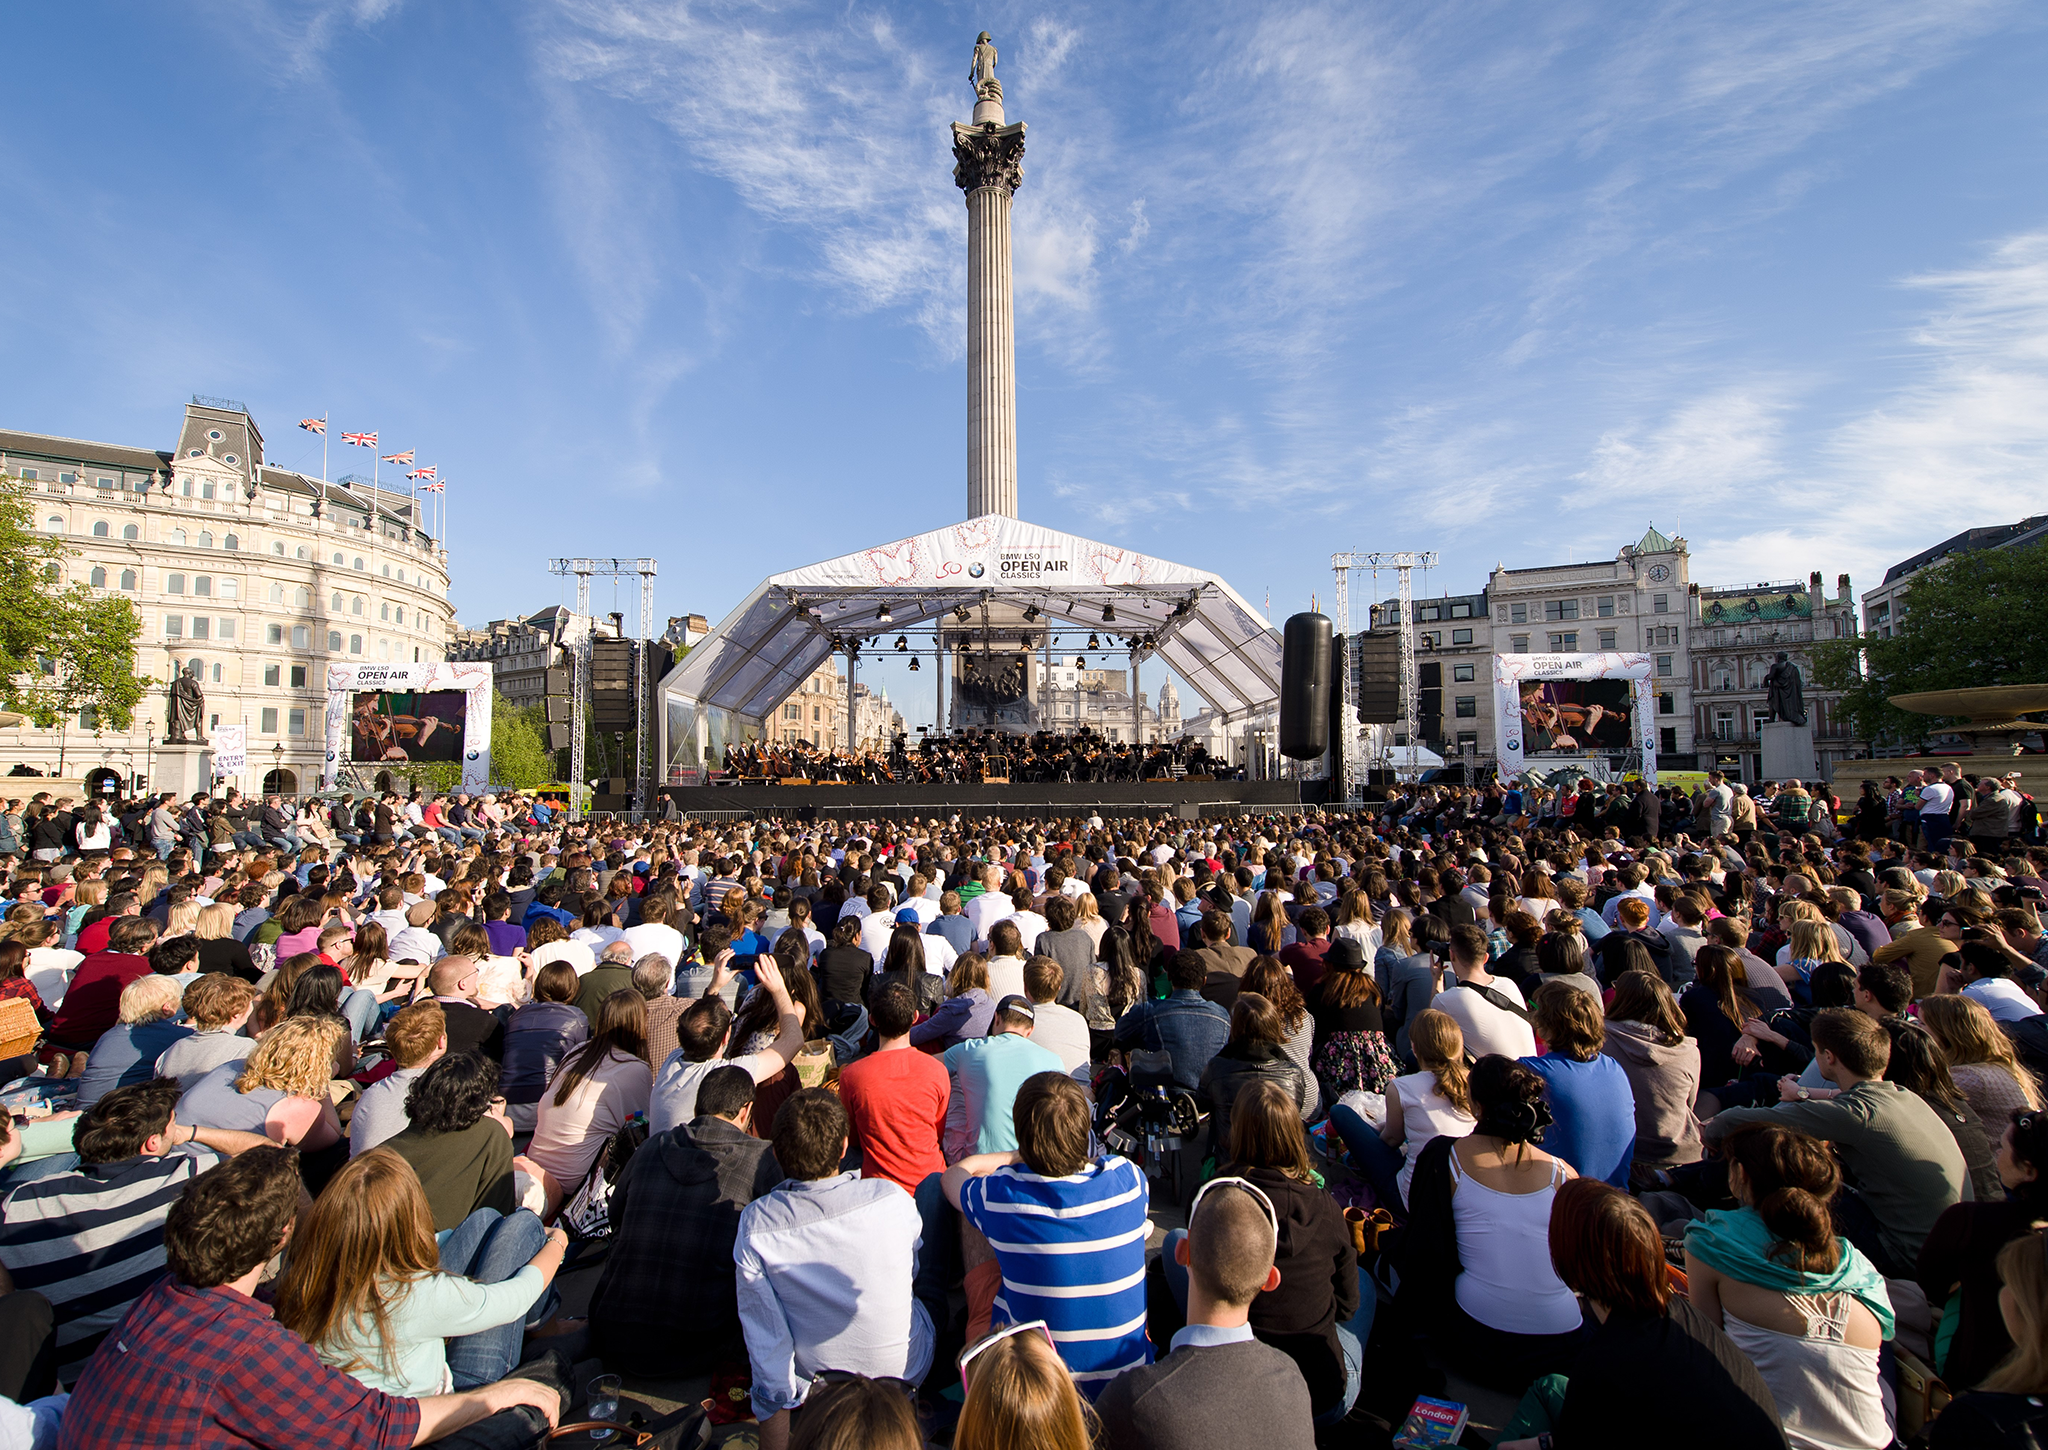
column 323, row 449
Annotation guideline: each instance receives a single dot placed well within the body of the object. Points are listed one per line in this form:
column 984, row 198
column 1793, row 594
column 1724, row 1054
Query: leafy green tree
column 1973, row 620
column 63, row 650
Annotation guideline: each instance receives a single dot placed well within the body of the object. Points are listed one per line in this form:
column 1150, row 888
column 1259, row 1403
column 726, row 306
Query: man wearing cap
column 939, row 955
column 986, row 1073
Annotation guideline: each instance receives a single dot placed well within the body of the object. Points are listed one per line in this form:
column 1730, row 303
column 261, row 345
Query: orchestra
column 973, row 757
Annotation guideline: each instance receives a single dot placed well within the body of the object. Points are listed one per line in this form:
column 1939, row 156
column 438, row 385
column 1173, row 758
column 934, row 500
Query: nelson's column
column 988, row 166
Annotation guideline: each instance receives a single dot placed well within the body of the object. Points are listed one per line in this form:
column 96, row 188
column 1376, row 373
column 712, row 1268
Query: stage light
column 1030, row 613
column 1109, row 614
column 913, row 664
column 885, row 617
column 960, row 613
column 1029, row 641
column 1080, row 662
column 902, row 644
column 1093, row 642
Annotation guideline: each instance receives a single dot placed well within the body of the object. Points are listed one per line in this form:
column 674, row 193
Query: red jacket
column 92, row 1004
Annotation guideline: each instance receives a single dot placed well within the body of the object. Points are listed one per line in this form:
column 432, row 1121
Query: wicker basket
column 19, row 1030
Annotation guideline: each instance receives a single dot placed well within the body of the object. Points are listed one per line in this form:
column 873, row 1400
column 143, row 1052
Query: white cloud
column 1712, row 449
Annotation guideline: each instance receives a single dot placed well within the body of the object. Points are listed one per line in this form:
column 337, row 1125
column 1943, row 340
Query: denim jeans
column 1379, row 1160
column 1351, row 1334
column 164, row 848
column 490, row 1248
column 361, row 1007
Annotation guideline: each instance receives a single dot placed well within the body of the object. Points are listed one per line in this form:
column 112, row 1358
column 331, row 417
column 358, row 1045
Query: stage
column 1184, row 798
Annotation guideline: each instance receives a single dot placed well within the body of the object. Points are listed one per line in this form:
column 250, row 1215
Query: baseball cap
column 908, row 914
column 1020, row 1005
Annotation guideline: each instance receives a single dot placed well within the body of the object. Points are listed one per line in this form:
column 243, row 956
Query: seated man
column 666, row 1304
column 1632, row 924
column 705, row 1030
column 986, row 1073
column 1186, row 1026
column 418, row 1038
column 92, row 1241
column 1900, row 1161
column 1068, row 1233
column 1219, row 1382
column 197, row 1361
column 826, row 1264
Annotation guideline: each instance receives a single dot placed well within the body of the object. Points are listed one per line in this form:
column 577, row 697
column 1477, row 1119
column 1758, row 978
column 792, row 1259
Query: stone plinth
column 1788, row 752
column 185, row 769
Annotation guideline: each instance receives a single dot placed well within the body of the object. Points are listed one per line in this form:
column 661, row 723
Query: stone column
column 988, row 167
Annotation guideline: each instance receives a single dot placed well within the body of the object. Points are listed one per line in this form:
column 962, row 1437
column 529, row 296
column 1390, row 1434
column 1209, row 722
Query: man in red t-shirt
column 896, row 1096
column 92, row 1003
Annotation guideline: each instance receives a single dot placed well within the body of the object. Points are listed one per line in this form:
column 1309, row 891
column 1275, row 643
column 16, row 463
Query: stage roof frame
column 761, row 653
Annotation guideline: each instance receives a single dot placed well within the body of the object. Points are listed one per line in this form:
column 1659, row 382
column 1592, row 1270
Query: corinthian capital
column 988, row 155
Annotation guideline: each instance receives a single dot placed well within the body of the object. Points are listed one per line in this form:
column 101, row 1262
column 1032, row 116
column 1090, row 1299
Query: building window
column 302, row 552
column 1428, row 612
column 1461, row 674
column 127, row 578
column 815, row 715
column 301, row 637
column 1663, row 666
column 1605, row 605
column 30, row 475
column 387, row 571
column 130, row 532
column 178, row 537
column 224, row 629
column 274, row 634
column 1461, row 611
column 103, row 482
column 1518, row 614
column 1607, row 639
column 384, row 612
column 202, row 586
column 1724, row 724
column 218, row 674
column 267, row 724
column 232, row 541
column 1467, row 737
column 298, row 677
column 174, row 584
column 298, row 722
column 277, row 548
column 302, row 598
column 1518, row 644
column 356, row 605
column 1667, row 739
column 270, row 673
column 1660, row 604
column 792, row 712
column 202, row 627
column 1432, row 640
column 99, row 529
column 1461, row 636
column 359, row 562
column 54, row 524
column 339, row 559
column 334, row 603
column 1666, row 705
column 1465, row 707
column 230, row 589
column 1566, row 643
column 205, row 538
column 1560, row 609
column 174, row 626
column 98, row 578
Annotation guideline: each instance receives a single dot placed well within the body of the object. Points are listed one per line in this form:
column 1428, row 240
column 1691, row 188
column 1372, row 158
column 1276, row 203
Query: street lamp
column 277, row 768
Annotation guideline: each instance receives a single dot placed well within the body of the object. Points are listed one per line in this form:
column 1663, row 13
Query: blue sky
column 1505, row 281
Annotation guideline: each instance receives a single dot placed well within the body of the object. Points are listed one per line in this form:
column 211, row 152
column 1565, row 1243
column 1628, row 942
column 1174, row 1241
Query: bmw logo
column 474, row 754
column 975, row 571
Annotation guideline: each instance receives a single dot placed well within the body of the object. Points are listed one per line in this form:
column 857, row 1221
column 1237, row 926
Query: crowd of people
column 1672, row 1123
column 973, row 757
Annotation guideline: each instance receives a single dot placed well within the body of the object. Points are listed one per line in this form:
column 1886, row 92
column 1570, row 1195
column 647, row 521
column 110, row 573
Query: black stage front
column 1183, row 797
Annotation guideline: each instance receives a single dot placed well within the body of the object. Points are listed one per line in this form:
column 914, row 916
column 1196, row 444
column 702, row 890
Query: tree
column 1972, row 620
column 63, row 651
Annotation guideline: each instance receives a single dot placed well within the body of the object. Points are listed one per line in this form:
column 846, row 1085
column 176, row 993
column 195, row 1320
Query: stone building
column 1736, row 635
column 258, row 575
column 1885, row 606
column 522, row 651
column 815, row 713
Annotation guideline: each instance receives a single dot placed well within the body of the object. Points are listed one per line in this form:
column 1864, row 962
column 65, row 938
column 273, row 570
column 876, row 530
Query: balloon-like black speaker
column 1305, row 687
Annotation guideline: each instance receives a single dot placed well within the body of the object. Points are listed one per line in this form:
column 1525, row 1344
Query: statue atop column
column 1784, row 692
column 983, row 74
column 183, row 720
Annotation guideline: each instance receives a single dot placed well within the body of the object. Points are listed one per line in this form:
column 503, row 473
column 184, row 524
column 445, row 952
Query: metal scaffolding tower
column 579, row 686
column 1403, row 562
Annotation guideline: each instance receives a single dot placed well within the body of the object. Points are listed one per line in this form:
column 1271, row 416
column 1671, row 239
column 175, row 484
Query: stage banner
column 1573, row 705
column 384, row 716
column 230, row 750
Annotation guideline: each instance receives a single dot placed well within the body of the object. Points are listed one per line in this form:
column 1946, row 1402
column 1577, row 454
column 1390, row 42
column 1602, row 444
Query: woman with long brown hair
column 1252, row 1053
column 967, row 1010
column 1351, row 1051
column 367, row 1287
column 598, row 1087
column 1645, row 1033
column 1269, row 978
column 1717, row 1006
column 1020, row 1395
column 1981, row 1057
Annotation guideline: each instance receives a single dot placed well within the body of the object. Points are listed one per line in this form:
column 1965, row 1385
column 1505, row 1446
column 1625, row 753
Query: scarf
column 1738, row 1243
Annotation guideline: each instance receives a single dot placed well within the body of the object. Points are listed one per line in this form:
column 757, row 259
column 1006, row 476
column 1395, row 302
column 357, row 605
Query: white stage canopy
column 761, row 653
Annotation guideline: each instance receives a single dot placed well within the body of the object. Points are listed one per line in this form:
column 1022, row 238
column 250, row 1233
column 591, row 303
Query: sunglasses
column 966, row 1356
column 1258, row 1194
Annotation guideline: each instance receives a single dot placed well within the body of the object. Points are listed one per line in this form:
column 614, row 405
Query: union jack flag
column 424, row 471
column 433, row 488
column 405, row 457
column 361, row 440
column 314, row 425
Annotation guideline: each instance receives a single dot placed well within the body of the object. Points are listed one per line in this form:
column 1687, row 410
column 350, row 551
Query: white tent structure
column 730, row 683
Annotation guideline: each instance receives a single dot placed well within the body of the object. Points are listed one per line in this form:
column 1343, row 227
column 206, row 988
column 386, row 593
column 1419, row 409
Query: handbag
column 1921, row 1396
column 588, row 1215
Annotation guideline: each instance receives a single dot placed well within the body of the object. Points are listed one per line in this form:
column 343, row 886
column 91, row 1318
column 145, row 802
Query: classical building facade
column 257, row 575
column 815, row 713
column 1737, row 633
column 521, row 651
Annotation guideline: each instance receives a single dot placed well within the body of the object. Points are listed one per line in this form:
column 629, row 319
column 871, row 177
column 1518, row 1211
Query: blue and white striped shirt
column 1072, row 1252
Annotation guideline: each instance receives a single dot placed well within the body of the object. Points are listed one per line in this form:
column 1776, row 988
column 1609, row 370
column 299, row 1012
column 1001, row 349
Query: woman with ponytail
column 1803, row 1303
column 1424, row 1106
column 1475, row 1261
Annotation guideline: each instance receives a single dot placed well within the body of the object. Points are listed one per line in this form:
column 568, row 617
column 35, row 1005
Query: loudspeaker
column 558, row 735
column 558, row 682
column 1376, row 686
column 557, row 708
column 1305, row 687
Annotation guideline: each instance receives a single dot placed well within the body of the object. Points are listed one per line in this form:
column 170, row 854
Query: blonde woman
column 218, row 949
column 181, row 920
column 1088, row 918
column 1433, row 1103
column 281, row 1091
column 1813, row 942
column 1980, row 1058
column 127, row 1053
column 1355, row 920
column 1020, row 1393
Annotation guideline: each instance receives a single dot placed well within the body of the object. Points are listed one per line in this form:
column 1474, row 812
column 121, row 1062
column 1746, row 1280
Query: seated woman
column 458, row 1140
column 1655, row 1369
column 1589, row 1094
column 1019, row 1392
column 501, row 981
column 280, row 1090
column 1958, row 1261
column 1252, row 1054
column 1351, row 1051
column 373, row 1292
column 538, row 1037
column 1917, row 1064
column 966, row 1012
column 1408, row 976
column 843, row 967
column 368, row 969
column 1806, row 1307
column 127, row 1053
column 321, row 991
column 1645, row 1034
column 1475, row 1263
column 599, row 1086
column 905, row 962
column 218, row 949
column 1322, row 1312
column 1981, row 1057
column 1717, row 1007
column 2009, row 1408
column 758, row 1023
column 1435, row 1102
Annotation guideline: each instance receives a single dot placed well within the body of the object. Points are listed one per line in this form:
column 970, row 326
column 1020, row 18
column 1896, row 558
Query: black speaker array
column 1305, row 686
